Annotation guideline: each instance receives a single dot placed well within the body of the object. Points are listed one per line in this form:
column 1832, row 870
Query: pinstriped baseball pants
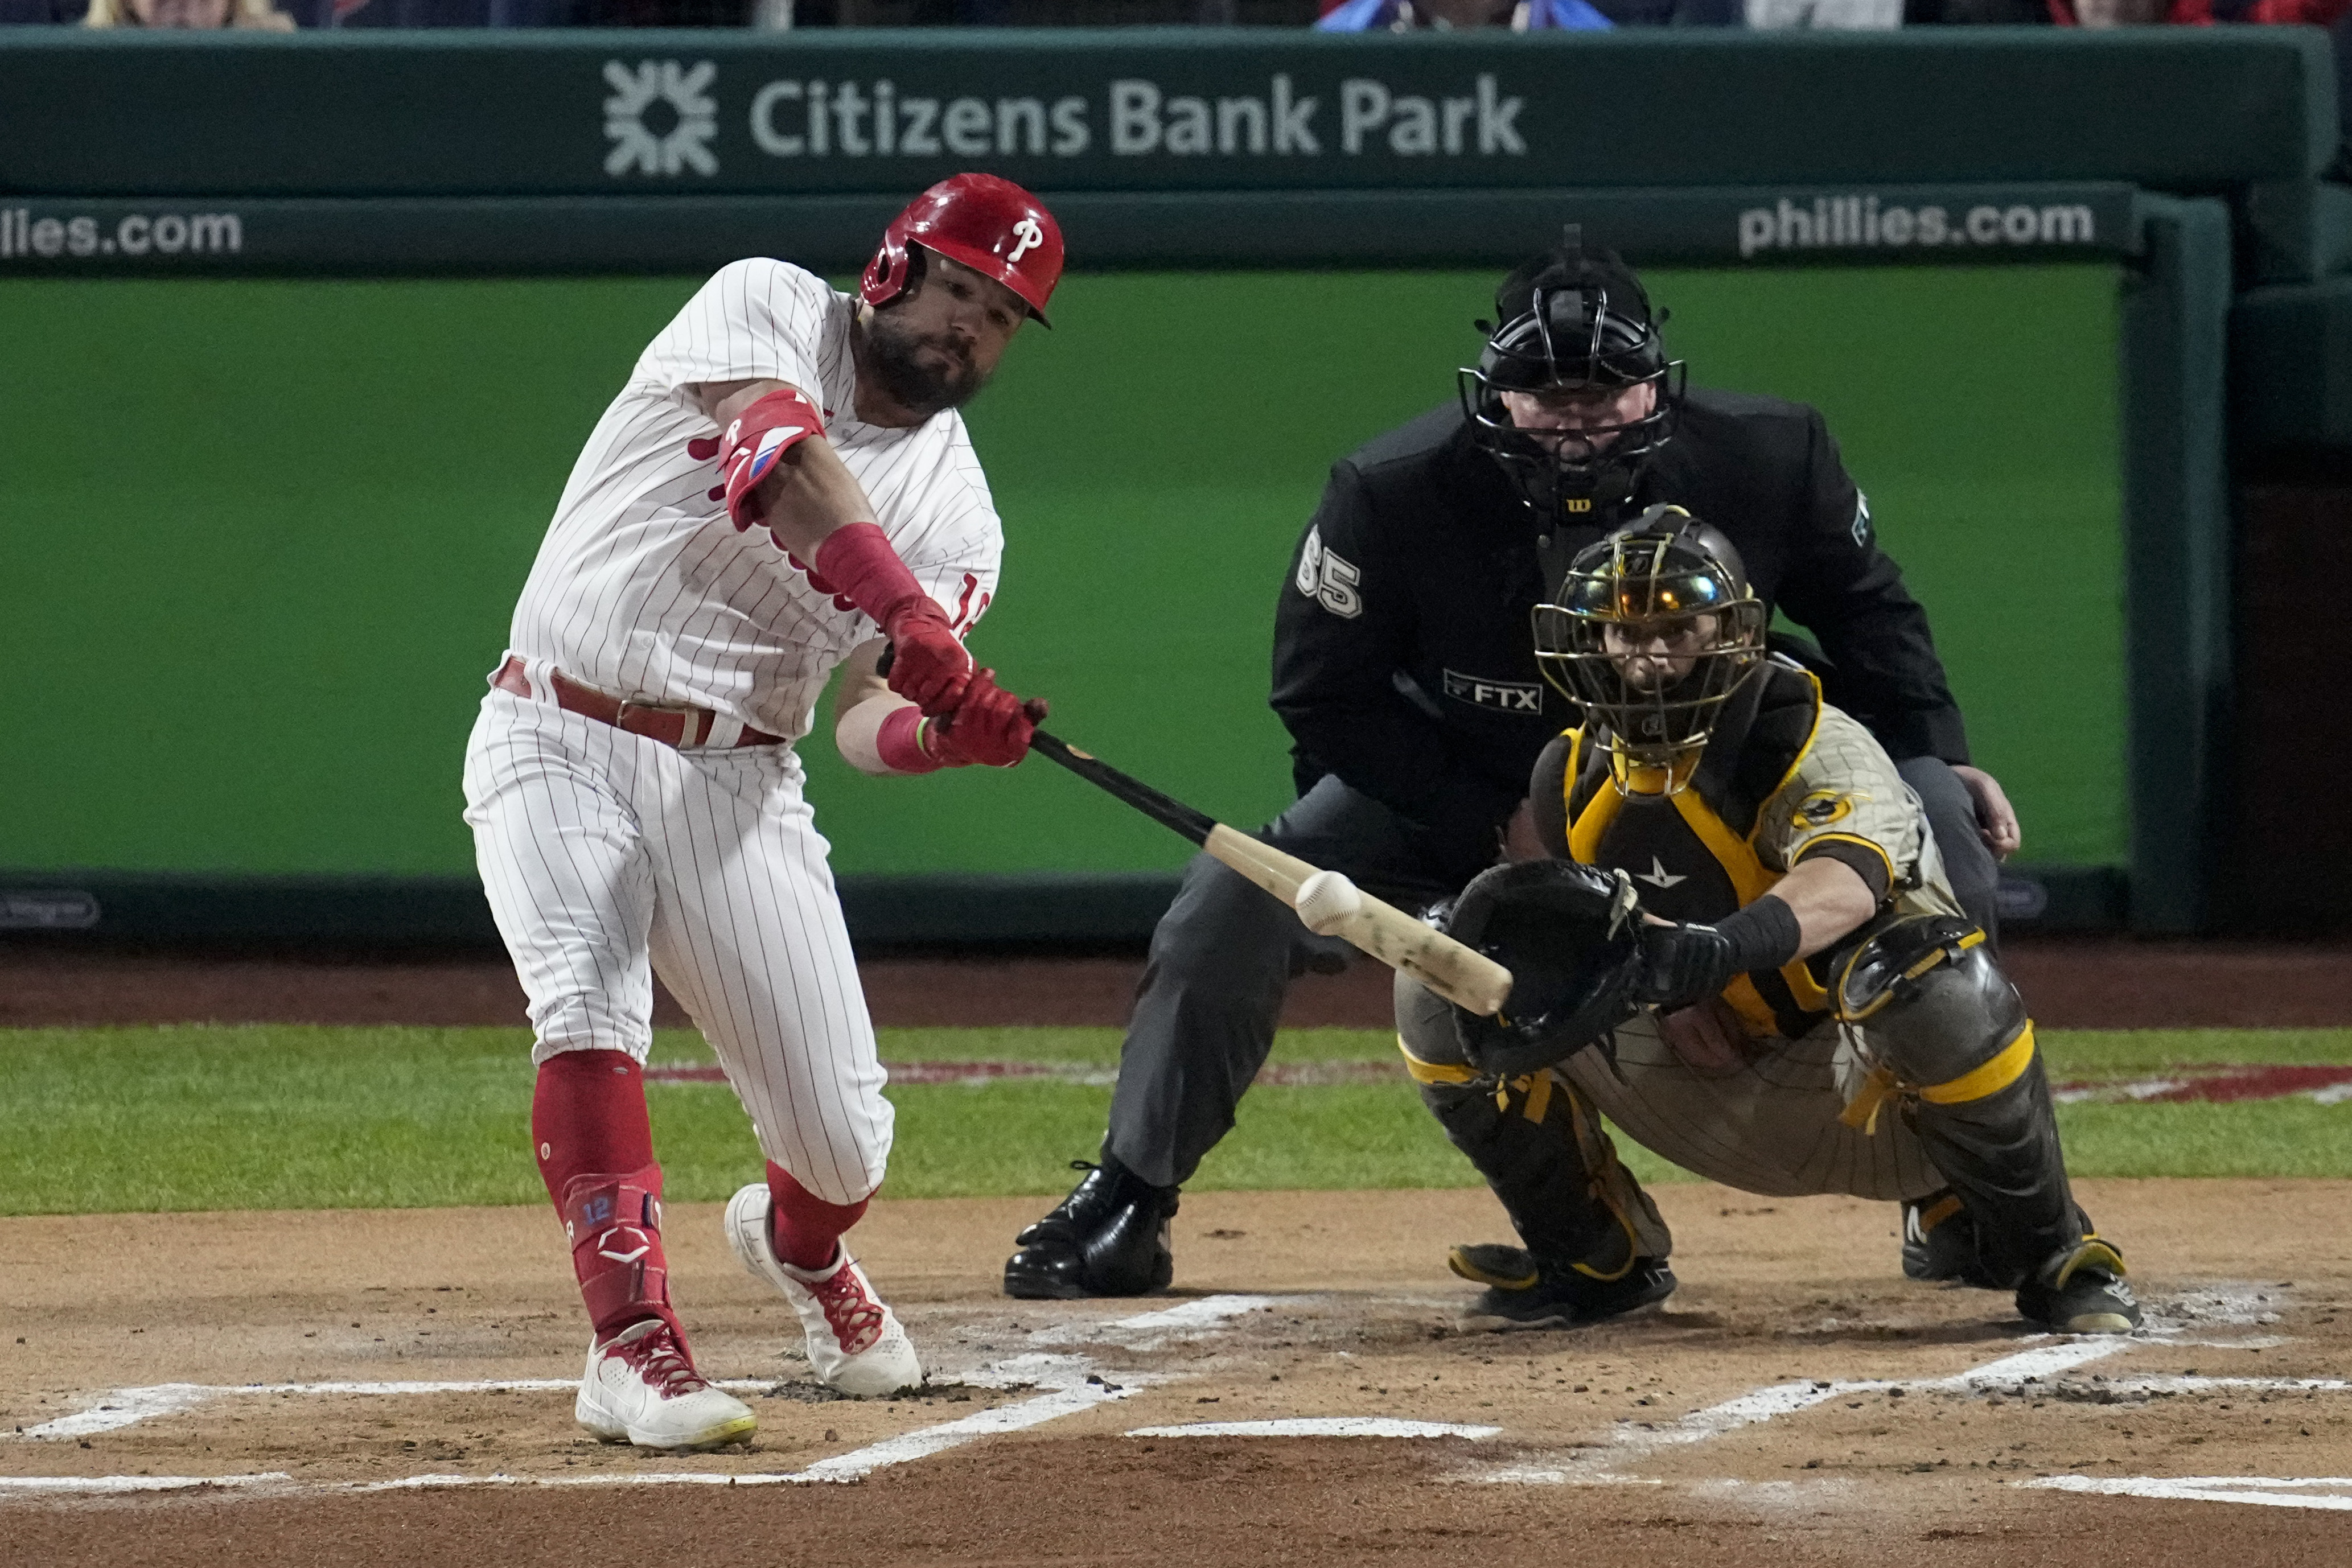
column 608, row 857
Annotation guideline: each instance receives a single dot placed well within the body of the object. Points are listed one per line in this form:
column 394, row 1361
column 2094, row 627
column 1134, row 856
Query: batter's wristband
column 756, row 441
column 900, row 742
column 858, row 559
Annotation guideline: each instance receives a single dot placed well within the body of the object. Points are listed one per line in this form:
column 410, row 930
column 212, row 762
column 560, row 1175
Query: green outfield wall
column 259, row 538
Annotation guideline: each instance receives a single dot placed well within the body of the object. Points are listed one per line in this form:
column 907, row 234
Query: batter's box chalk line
column 1067, row 1384
column 2332, row 1492
column 1633, row 1441
column 1320, row 1427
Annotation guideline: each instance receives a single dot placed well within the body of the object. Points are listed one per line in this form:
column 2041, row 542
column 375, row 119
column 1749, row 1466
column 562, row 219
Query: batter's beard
column 893, row 357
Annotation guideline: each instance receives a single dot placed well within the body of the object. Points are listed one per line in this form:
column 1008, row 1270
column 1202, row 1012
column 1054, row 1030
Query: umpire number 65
column 1327, row 577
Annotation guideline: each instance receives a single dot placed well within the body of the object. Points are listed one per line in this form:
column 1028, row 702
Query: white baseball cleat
column 855, row 1341
column 641, row 1387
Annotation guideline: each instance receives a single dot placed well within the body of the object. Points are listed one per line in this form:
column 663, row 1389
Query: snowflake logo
column 636, row 148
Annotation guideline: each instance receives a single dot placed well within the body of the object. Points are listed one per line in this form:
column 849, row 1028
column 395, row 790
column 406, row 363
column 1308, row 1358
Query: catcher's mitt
column 1568, row 933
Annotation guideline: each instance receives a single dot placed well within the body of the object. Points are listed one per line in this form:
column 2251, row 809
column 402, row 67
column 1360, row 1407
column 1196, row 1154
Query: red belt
column 677, row 727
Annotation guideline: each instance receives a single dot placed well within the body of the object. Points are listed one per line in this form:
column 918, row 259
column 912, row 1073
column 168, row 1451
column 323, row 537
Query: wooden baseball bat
column 1333, row 906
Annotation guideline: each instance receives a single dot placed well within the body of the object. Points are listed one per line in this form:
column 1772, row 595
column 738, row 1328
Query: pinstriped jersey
column 644, row 590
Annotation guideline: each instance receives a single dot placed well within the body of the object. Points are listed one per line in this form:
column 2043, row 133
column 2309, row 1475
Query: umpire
column 1406, row 671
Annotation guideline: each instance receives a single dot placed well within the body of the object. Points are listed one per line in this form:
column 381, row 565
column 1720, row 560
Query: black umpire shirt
column 1403, row 653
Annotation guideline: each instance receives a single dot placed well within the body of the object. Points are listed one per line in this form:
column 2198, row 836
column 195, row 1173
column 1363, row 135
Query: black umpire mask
column 1572, row 323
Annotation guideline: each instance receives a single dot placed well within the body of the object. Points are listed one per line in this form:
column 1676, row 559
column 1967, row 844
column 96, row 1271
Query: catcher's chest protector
column 1690, row 851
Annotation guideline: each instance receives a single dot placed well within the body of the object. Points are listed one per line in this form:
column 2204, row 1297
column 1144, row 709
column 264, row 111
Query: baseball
column 1326, row 900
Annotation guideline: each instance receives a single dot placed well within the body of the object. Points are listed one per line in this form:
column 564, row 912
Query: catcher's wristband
column 900, row 742
column 756, row 441
column 1682, row 963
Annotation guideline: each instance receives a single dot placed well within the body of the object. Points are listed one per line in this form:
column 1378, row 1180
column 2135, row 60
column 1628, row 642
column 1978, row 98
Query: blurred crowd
column 1333, row 15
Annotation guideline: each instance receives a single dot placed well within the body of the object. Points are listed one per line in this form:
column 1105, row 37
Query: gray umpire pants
column 1224, row 955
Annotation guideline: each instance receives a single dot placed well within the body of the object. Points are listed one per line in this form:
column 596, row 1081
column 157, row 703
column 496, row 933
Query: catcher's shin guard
column 614, row 1223
column 1569, row 1201
column 1948, row 1036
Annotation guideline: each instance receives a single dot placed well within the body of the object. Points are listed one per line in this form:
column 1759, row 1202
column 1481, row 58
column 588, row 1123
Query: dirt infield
column 1795, row 1403
column 395, row 1385
column 2070, row 984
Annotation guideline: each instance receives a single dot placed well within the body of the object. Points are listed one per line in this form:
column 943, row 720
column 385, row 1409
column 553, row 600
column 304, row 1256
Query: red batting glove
column 929, row 663
column 990, row 726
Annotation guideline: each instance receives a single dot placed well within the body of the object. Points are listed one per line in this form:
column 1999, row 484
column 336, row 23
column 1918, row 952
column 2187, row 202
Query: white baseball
column 1326, row 900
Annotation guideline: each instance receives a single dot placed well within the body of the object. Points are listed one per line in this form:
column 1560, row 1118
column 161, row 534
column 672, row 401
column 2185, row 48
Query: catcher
column 1793, row 1004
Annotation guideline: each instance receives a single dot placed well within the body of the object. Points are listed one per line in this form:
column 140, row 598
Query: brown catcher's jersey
column 1784, row 777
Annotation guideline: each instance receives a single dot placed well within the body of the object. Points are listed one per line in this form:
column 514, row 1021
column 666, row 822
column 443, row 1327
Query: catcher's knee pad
column 1424, row 1022
column 1934, row 1010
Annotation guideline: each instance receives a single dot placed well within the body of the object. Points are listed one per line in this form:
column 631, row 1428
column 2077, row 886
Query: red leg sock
column 595, row 1153
column 802, row 1226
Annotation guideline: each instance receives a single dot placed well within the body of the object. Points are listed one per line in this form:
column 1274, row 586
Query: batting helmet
column 992, row 225
column 1571, row 323
column 1653, row 628
column 1569, row 935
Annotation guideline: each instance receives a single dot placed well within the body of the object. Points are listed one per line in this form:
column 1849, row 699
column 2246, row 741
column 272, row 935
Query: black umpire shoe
column 1562, row 1298
column 1108, row 1237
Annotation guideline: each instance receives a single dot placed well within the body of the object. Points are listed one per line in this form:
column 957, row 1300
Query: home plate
column 1318, row 1427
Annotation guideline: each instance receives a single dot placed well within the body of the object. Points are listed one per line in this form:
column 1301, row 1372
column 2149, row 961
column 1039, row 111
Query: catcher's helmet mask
column 1584, row 325
column 1665, row 572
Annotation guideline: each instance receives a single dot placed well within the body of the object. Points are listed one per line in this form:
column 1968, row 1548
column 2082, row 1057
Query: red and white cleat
column 855, row 1341
column 641, row 1387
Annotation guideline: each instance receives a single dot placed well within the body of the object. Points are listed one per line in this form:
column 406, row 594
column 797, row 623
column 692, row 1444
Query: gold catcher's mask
column 1652, row 630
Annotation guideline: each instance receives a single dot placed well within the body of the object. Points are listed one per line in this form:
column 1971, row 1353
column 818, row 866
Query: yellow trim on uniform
column 1862, row 1112
column 1992, row 1078
column 1434, row 1072
column 1751, row 880
column 1806, row 849
column 1881, row 1085
column 1938, row 1212
column 1586, row 831
column 1600, row 1162
column 1537, row 1089
column 1649, row 779
column 1841, row 801
column 1795, row 762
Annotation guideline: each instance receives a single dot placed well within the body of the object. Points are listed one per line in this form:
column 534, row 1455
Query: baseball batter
column 1821, row 1017
column 783, row 485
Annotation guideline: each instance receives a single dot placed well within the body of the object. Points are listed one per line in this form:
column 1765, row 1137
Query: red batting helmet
column 992, row 225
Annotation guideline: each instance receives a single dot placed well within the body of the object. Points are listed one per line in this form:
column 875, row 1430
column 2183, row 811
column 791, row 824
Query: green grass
column 211, row 1116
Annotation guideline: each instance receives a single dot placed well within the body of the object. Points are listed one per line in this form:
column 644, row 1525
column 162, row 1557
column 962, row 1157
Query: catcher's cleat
column 1493, row 1264
column 2082, row 1290
column 1562, row 1298
column 1108, row 1237
column 641, row 1387
column 1939, row 1242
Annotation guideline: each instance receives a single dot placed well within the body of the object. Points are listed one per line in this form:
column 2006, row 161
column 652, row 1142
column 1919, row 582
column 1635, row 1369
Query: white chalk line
column 1629, row 1443
column 38, row 1486
column 1071, row 1384
column 129, row 1406
column 2257, row 1489
column 1320, row 1427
